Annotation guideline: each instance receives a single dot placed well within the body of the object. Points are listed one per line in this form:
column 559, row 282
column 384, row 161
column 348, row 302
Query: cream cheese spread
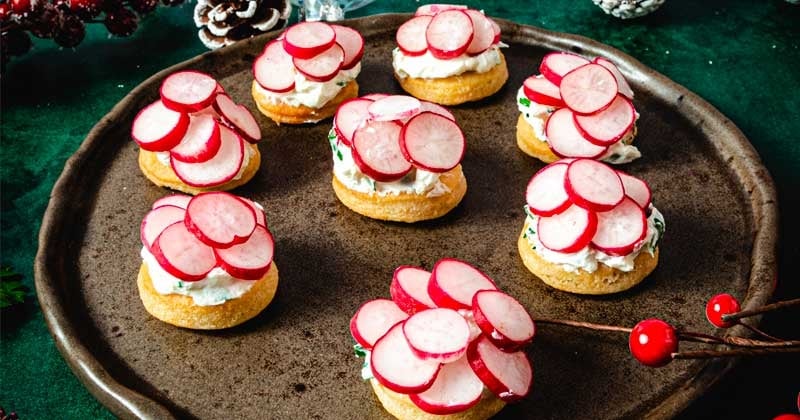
column 426, row 66
column 310, row 93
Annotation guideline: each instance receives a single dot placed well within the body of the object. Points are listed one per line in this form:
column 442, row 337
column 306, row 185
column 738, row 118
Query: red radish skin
column 434, row 9
column 396, row 367
column 454, row 283
column 249, row 260
column 238, row 117
column 503, row 320
column 622, row 84
column 219, row 169
column 483, row 37
column 507, row 375
column 636, row 189
column 565, row 140
column 352, row 43
column 569, row 231
column 209, row 111
column 409, row 289
column 542, row 91
column 261, row 218
column 449, row 34
column 609, row 125
column 497, row 31
column 588, row 89
column 273, row 69
column 177, row 200
column 188, row 91
column 220, row 219
column 322, row 67
column 394, row 107
column 350, row 115
column 438, row 334
column 410, row 35
column 593, row 185
column 432, row 142
column 556, row 64
column 436, row 109
column 201, row 141
column 619, row 230
column 308, row 39
column 157, row 128
column 545, row 193
column 373, row 319
column 376, row 151
column 182, row 255
column 455, row 389
column 157, row 220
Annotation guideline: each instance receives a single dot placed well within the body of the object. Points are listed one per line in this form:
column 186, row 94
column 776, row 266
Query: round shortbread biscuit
column 400, row 406
column 287, row 114
column 531, row 144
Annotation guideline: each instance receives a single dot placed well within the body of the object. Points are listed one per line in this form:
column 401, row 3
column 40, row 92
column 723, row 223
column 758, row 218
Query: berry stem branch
column 759, row 332
column 581, row 324
column 760, row 310
column 710, row 354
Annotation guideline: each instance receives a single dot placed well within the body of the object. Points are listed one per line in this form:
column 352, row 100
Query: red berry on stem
column 20, row 6
column 5, row 10
column 787, row 417
column 719, row 305
column 652, row 342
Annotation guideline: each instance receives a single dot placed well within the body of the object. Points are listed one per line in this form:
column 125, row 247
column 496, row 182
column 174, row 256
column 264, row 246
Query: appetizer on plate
column 447, row 346
column 589, row 229
column 195, row 138
column 206, row 261
column 449, row 54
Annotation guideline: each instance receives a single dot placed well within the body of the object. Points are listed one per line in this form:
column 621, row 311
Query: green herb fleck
column 359, row 351
column 657, row 238
column 331, row 136
column 339, row 154
column 180, row 284
column 374, row 187
column 12, row 291
column 341, row 83
column 525, row 101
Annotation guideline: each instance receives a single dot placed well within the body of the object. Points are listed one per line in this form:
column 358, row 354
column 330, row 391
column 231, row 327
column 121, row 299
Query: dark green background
column 742, row 56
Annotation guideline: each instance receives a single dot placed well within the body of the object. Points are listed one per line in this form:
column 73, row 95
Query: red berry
column 787, row 417
column 21, row 6
column 719, row 305
column 5, row 10
column 652, row 342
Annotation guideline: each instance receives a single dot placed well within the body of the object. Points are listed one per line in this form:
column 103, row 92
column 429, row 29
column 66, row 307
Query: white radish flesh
column 307, row 39
column 609, row 125
column 565, row 140
column 410, row 35
column 352, row 43
column 569, row 231
column 375, row 96
column 409, row 289
column 433, row 9
column 588, row 89
column 181, row 254
column 261, row 218
column 507, row 375
column 177, row 200
column 455, row 389
column 239, row 117
column 556, row 64
column 157, row 220
column 396, row 367
column 542, row 91
column 322, row 67
column 436, row 109
column 483, row 37
column 188, row 91
column 157, row 128
column 503, row 319
column 438, row 334
column 249, row 260
column 273, row 69
column 449, row 34
column 497, row 31
column 545, row 193
column 373, row 319
column 636, row 189
column 622, row 84
column 220, row 219
column 593, row 185
column 394, row 107
column 454, row 283
column 201, row 141
column 376, row 151
column 620, row 229
column 432, row 142
column 349, row 116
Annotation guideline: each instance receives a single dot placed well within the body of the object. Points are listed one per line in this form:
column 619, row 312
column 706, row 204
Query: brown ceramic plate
column 295, row 360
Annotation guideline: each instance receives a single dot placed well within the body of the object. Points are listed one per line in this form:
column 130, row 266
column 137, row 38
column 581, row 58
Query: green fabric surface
column 742, row 56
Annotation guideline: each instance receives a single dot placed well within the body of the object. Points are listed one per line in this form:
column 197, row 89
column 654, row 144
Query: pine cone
column 627, row 9
column 223, row 22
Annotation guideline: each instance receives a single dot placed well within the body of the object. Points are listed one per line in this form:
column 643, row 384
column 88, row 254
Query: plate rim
column 127, row 403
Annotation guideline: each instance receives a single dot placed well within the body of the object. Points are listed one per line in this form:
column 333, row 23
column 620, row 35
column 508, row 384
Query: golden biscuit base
column 405, row 207
column 455, row 90
column 283, row 113
column 163, row 175
column 400, row 406
column 531, row 144
column 180, row 310
column 604, row 280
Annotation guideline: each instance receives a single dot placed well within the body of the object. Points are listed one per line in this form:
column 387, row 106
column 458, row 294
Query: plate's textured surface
column 295, row 360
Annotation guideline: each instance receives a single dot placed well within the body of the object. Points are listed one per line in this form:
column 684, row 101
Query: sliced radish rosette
column 220, row 219
column 188, row 91
column 449, row 34
column 438, row 334
column 157, row 128
column 593, row 185
column 507, row 375
column 307, row 39
column 201, row 141
column 636, row 189
column 350, row 115
column 157, row 220
column 251, row 259
column 455, row 389
column 454, row 283
column 545, row 194
column 396, row 367
column 620, row 229
column 238, row 117
column 608, row 126
column 542, row 91
column 565, row 140
column 409, row 289
column 569, row 231
column 432, row 142
column 556, row 64
column 221, row 168
column 321, row 67
column 588, row 89
column 373, row 319
column 410, row 35
column 376, row 151
column 483, row 36
column 181, row 254
column 503, row 319
column 352, row 43
column 273, row 69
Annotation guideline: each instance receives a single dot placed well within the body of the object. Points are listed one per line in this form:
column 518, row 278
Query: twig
column 581, row 324
column 760, row 310
column 710, row 354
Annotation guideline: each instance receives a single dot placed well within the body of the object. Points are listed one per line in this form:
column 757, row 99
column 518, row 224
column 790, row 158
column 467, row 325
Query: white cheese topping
column 310, row 93
column 426, row 66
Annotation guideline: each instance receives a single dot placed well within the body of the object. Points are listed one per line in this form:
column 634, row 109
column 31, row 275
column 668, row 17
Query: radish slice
column 484, row 33
column 593, row 185
column 157, row 128
column 432, row 142
column 188, row 91
column 542, row 91
column 181, row 254
column 565, row 140
column 636, row 189
column 261, row 218
column 409, row 289
column 209, row 111
column 410, row 36
column 177, row 200
column 433, row 9
column 449, row 34
column 322, row 67
column 352, row 43
column 609, row 125
column 219, row 169
column 569, row 231
column 220, row 219
column 350, row 115
column 373, row 319
column 497, row 31
column 556, row 64
column 624, row 87
column 454, row 283
column 396, row 366
column 620, row 229
column 545, row 194
column 474, row 330
column 507, row 375
column 439, row 334
column 375, row 96
column 588, row 89
column 249, row 260
column 376, row 151
column 503, row 319
column 157, row 220
column 307, row 39
column 238, row 117
column 201, row 141
column 436, row 109
column 455, row 389
column 394, row 107
column 273, row 69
